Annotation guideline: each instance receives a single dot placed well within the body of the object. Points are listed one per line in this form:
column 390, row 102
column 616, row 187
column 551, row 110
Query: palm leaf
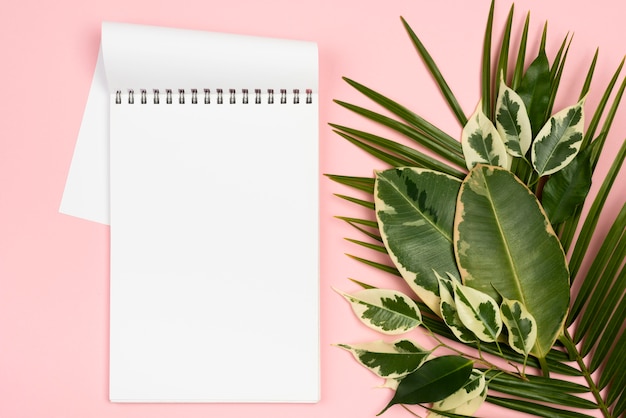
column 599, row 305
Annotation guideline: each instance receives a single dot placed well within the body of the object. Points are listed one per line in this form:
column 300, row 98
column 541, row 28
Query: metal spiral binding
column 219, row 96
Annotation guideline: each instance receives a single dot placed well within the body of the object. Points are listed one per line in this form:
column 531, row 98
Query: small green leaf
column 478, row 311
column 435, row 380
column 512, row 121
column 481, row 142
column 387, row 311
column 415, row 213
column 567, row 189
column 389, row 360
column 558, row 142
column 521, row 325
column 449, row 313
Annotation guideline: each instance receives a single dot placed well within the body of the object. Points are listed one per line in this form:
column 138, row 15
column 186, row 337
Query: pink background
column 54, row 268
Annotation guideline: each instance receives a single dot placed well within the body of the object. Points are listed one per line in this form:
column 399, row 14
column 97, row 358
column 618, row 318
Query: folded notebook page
column 214, row 216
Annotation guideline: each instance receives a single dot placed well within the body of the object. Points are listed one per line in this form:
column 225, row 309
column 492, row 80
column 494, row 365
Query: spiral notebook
column 213, row 216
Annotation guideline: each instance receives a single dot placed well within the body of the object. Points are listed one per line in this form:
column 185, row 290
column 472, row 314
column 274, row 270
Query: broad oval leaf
column 479, row 312
column 521, row 325
column 512, row 122
column 435, row 380
column 567, row 189
column 504, row 241
column 389, row 360
column 466, row 400
column 387, row 311
column 415, row 213
column 449, row 313
column 481, row 142
column 559, row 140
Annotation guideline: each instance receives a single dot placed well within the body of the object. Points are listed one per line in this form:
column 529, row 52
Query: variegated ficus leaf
column 512, row 122
column 481, row 142
column 559, row 140
column 415, row 213
column 389, row 360
column 491, row 253
column 478, row 311
column 448, row 310
column 466, row 400
column 521, row 325
column 387, row 311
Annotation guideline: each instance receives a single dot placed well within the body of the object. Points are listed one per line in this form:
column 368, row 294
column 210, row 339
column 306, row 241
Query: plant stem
column 567, row 340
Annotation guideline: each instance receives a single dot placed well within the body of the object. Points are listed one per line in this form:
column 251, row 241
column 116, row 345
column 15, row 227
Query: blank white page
column 214, row 240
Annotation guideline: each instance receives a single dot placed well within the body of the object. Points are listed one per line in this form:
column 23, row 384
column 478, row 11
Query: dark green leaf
column 487, row 98
column 589, row 226
column 567, row 189
column 434, row 71
column 379, row 248
column 537, row 392
column 518, row 72
column 361, row 183
column 413, row 157
column 534, row 90
column 534, row 409
column 407, row 130
column 361, row 202
column 434, row 381
column 503, row 60
column 379, row 266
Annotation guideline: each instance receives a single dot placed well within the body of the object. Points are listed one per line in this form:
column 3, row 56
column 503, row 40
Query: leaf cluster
column 479, row 233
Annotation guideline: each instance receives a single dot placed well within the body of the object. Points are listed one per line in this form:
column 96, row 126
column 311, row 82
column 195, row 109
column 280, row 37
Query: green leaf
column 435, row 380
column 389, row 360
column 460, row 402
column 449, row 312
column 492, row 207
column 486, row 65
column 567, row 189
column 478, row 311
column 521, row 325
column 415, row 212
column 434, row 71
column 512, row 121
column 413, row 156
column 386, row 311
column 482, row 143
column 518, row 71
column 534, row 89
column 558, row 142
column 534, row 409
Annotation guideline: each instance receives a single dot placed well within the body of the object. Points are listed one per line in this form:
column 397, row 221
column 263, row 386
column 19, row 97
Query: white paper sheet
column 214, row 217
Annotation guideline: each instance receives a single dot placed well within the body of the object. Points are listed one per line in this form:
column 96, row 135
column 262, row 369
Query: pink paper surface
column 54, row 268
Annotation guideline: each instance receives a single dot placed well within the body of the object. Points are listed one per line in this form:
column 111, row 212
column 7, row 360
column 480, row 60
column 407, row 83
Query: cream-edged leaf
column 521, row 325
column 467, row 408
column 559, row 140
column 512, row 121
column 390, row 384
column 389, row 360
column 449, row 313
column 415, row 214
column 478, row 311
column 492, row 253
column 474, row 387
column 481, row 142
column 387, row 311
